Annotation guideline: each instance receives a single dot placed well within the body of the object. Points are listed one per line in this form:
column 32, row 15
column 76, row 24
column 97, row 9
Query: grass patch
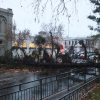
column 95, row 95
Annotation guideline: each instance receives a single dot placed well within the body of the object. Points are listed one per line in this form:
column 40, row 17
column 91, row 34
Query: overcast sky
column 24, row 17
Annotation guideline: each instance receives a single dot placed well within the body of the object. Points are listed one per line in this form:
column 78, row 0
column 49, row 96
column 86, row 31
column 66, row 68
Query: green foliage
column 96, row 2
column 95, row 37
column 95, row 95
column 97, row 10
column 39, row 39
column 94, row 17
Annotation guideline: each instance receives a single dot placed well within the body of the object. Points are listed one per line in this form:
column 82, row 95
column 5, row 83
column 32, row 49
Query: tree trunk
column 52, row 44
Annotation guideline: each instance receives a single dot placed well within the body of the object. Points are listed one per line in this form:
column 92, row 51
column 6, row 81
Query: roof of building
column 8, row 10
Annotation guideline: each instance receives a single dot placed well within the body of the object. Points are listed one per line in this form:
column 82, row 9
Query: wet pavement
column 8, row 77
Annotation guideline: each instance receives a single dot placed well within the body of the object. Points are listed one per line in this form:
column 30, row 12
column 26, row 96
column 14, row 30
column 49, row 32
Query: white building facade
column 75, row 43
column 97, row 44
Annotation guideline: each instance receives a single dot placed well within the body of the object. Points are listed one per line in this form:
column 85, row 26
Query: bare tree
column 58, row 7
column 20, row 39
column 56, row 30
column 22, row 36
column 54, row 34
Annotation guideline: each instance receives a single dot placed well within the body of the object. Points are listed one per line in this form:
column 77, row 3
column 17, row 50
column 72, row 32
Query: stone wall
column 5, row 29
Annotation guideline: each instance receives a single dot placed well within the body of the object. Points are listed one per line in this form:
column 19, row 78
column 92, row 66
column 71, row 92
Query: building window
column 65, row 43
column 72, row 42
column 75, row 42
column 69, row 42
column 0, row 24
column 0, row 41
column 3, row 26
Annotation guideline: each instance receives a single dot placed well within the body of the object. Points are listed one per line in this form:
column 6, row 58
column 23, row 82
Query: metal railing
column 42, row 88
column 81, row 91
column 38, row 89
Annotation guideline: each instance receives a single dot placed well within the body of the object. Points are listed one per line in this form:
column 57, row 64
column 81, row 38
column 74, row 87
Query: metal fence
column 42, row 88
column 81, row 91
